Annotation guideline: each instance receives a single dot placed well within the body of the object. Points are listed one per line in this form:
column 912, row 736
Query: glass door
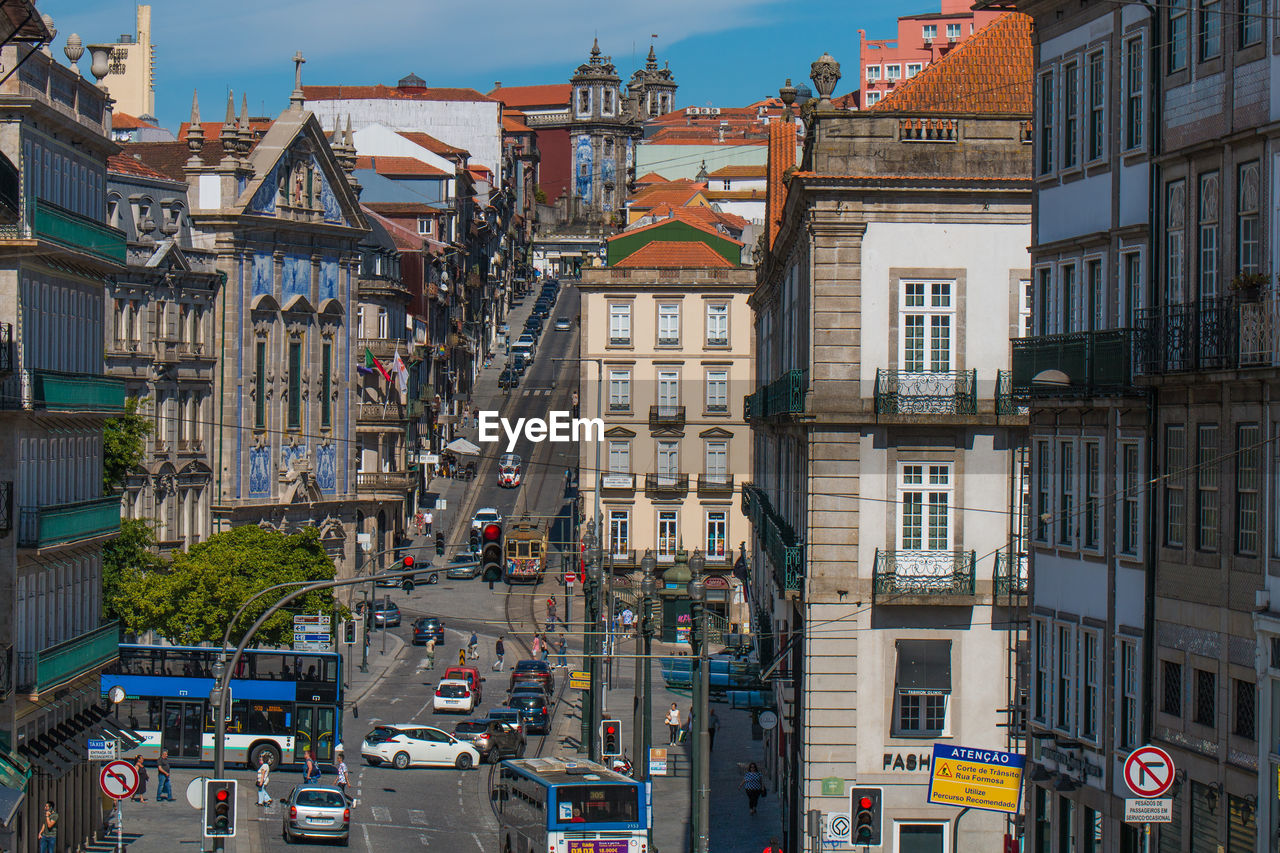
column 314, row 728
column 183, row 728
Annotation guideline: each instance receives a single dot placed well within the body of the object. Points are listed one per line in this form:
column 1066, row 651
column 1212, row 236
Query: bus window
column 597, row 804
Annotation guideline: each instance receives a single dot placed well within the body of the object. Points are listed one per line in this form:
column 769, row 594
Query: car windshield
column 454, row 691
column 427, row 625
column 531, row 666
column 528, row 700
column 323, row 799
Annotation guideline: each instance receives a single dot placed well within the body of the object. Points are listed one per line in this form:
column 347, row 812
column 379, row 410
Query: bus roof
column 565, row 771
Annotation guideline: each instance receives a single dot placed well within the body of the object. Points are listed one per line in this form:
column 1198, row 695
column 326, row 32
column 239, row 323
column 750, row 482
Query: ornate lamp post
column 700, row 778
column 642, row 727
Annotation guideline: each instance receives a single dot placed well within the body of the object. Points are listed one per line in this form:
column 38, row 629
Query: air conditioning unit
column 713, row 111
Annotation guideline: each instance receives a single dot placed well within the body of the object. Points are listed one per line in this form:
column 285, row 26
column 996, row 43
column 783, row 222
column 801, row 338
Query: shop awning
column 462, row 446
column 924, row 667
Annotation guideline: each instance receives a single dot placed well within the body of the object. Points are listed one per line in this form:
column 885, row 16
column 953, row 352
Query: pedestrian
column 473, row 646
column 561, row 646
column 628, row 619
column 164, row 788
column 499, row 649
column 713, row 724
column 546, row 648
column 342, row 773
column 688, row 726
column 537, row 646
column 551, row 613
column 673, row 725
column 418, row 523
column 431, row 653
column 427, row 519
column 48, row 833
column 264, row 776
column 140, row 795
column 775, row 846
column 311, row 772
column 753, row 783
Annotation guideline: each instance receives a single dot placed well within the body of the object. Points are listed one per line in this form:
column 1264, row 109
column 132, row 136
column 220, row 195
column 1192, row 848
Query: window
column 1132, row 288
column 1206, row 697
column 717, row 534
column 294, row 419
column 668, row 461
column 717, row 324
column 424, row 225
column 1127, row 676
column 620, row 324
column 619, row 390
column 929, row 32
column 1247, row 255
column 1171, row 695
column 914, row 68
column 584, row 100
column 668, row 534
column 717, row 391
column 326, row 385
column 619, row 456
column 1097, row 294
column 927, row 316
column 1090, row 685
column 1070, row 113
column 1070, row 318
column 383, row 319
column 892, row 73
column 1242, row 717
column 1097, row 105
column 1043, row 665
column 1176, row 49
column 668, row 324
column 923, row 687
column 919, row 533
column 1024, row 308
column 953, row 32
column 1134, row 119
column 1044, row 820
column 1046, row 124
column 1091, row 840
column 1066, row 647
column 1067, row 523
column 873, row 73
column 718, row 461
column 873, row 98
column 260, row 386
column 1207, row 236
column 668, row 393
column 1248, row 487
column 1175, row 460
column 1130, row 498
column 1044, row 512
column 1175, row 212
column 606, row 102
column 1044, row 300
column 619, row 532
column 1207, row 487
column 1092, row 495
column 1066, row 825
column 1249, row 25
column 1210, row 29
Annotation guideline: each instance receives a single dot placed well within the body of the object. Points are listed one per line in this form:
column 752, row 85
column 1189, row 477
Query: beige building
column 666, row 356
column 126, row 69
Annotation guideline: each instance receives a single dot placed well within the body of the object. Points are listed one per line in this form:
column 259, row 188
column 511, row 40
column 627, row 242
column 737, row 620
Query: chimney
column 497, row 84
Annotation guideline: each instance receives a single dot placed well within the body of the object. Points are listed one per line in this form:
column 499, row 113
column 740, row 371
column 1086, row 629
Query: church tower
column 652, row 90
column 602, row 137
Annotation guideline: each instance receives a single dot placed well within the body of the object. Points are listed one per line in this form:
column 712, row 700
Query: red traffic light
column 864, row 803
column 610, row 730
column 408, row 562
column 492, row 532
column 221, row 795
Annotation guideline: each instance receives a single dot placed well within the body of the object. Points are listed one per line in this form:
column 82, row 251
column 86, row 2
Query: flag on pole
column 371, row 362
column 401, row 372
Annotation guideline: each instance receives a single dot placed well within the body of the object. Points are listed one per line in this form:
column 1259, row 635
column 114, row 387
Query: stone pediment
column 168, row 256
column 715, row 432
column 619, row 432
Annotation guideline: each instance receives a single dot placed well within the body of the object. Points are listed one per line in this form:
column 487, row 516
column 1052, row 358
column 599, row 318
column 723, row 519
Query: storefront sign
column 1075, row 763
column 1148, row 811
column 909, row 761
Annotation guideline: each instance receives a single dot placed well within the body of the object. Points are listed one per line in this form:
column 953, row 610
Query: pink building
column 921, row 39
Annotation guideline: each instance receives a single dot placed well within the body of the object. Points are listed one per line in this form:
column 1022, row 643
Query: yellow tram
column 526, row 546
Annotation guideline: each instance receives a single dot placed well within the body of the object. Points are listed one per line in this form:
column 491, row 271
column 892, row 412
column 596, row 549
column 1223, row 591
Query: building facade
column 886, row 494
column 130, row 65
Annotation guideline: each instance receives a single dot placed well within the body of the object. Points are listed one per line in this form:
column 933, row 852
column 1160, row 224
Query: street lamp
column 592, row 640
column 643, row 725
column 700, row 778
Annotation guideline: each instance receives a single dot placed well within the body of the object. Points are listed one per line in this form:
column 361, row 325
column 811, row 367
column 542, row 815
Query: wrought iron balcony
column 1007, row 403
column 782, row 396
column 624, row 558
column 909, row 392
column 666, row 416
column 80, row 234
column 715, row 484
column 666, row 484
column 1093, row 363
column 905, row 574
column 6, row 347
column 63, row 524
column 1011, row 577
column 6, row 507
column 1190, row 336
column 61, row 391
column 780, row 541
column 382, row 349
column 61, row 663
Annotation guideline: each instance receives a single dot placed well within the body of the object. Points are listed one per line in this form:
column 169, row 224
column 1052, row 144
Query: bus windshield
column 597, row 803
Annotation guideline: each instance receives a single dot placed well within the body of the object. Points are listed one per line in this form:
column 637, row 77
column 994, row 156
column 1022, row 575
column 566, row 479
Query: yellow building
column 130, row 67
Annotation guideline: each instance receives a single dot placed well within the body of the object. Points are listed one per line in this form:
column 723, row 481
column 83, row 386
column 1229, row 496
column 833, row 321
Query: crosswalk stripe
column 381, row 814
column 418, row 816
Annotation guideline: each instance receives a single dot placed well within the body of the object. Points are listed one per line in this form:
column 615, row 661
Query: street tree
column 123, row 446
column 126, row 560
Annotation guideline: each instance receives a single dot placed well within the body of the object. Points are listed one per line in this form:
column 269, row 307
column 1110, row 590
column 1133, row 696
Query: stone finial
column 244, row 132
column 651, row 63
column 229, row 124
column 195, row 131
column 74, row 49
column 53, row 33
column 825, row 73
column 297, row 100
column 595, row 51
column 788, row 95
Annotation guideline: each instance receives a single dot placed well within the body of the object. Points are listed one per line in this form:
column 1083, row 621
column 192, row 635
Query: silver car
column 317, row 811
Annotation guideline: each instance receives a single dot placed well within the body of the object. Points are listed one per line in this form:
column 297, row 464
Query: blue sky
column 722, row 52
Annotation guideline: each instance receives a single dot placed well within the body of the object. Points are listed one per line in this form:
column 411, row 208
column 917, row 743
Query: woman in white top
column 673, row 724
column 264, row 776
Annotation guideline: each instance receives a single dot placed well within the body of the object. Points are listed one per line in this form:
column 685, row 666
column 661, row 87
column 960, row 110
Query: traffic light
column 864, row 805
column 407, row 583
column 219, row 808
column 491, row 559
column 349, row 633
column 610, row 738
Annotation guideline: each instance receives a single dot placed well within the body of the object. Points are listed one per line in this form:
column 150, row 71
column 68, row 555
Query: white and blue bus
column 560, row 805
column 283, row 703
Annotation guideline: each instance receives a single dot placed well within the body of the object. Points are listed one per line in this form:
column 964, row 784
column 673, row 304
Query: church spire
column 595, row 51
column 195, row 131
column 651, row 64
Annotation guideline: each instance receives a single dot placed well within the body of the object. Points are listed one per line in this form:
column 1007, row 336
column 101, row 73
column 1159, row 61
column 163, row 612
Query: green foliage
column 539, row 195
column 126, row 559
column 194, row 598
column 123, row 445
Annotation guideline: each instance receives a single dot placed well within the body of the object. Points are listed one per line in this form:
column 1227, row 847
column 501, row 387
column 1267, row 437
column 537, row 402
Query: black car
column 534, row 710
column 509, row 379
column 519, row 363
column 525, row 688
column 533, row 670
column 427, row 628
column 533, row 326
column 496, row 739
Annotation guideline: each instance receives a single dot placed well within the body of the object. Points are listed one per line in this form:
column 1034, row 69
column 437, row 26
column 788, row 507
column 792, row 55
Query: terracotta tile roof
column 124, row 121
column 169, row 158
column 701, row 214
column 380, row 92
column 650, row 178
column 403, row 237
column 675, row 193
column 740, row 171
column 714, row 195
column 391, row 208
column 547, row 95
column 213, row 129
column 990, row 72
column 782, row 156
column 125, row 164
column 670, row 253
column 435, row 146
column 513, row 122
column 400, row 167
column 688, row 219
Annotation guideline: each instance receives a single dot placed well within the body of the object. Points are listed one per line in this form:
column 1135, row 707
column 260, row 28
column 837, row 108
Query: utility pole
column 594, row 641
column 642, row 726
column 700, row 778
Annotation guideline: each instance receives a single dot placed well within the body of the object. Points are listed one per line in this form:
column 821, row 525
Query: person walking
column 713, row 724
column 775, row 846
column 264, row 776
column 48, row 833
column 499, row 650
column 164, row 788
column 551, row 613
column 140, row 795
column 546, row 648
column 427, row 519
column 431, row 653
column 673, row 725
column 473, row 647
column 753, row 783
column 561, row 648
column 311, row 772
column 536, row 650
column 342, row 773
column 628, row 620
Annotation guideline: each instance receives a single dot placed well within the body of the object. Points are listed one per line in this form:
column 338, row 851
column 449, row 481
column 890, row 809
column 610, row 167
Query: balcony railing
column 384, row 481
column 6, row 347
column 780, row 541
column 389, row 412
column 909, row 392
column 61, row 663
column 1191, row 336
column 782, row 396
column 923, row 573
column 6, row 507
column 382, row 348
column 59, row 391
column 78, row 233
column 715, row 483
column 666, row 416
column 666, row 484
column 625, row 558
column 1011, row 577
column 1007, row 403
column 62, row 524
column 167, row 351
column 1092, row 362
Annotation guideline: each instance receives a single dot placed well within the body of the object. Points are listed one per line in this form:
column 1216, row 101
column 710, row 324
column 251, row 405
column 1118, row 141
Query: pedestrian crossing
column 537, row 392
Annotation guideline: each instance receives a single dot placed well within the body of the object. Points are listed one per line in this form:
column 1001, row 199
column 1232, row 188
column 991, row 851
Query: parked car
column 534, row 710
column 563, row 324
column 454, row 695
column 469, row 674
column 317, row 811
column 519, row 363
column 428, row 628
column 407, row 744
column 509, row 470
column 484, row 516
column 385, row 613
column 463, row 565
column 535, row 670
column 426, row 575
column 493, row 738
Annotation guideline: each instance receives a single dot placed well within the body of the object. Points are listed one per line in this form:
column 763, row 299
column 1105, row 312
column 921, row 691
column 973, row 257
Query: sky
column 721, row 52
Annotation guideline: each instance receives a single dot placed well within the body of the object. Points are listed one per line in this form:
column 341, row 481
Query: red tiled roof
column 740, row 171
column 650, row 178
column 547, row 95
column 693, row 221
column 675, row 193
column 391, row 208
column 394, row 167
column 124, row 121
column 170, row 158
column 403, row 237
column 702, row 214
column 435, row 146
column 213, row 129
column 782, row 156
column 514, row 123
column 409, row 93
column 707, row 136
column 125, row 164
column 990, row 72
column 670, row 253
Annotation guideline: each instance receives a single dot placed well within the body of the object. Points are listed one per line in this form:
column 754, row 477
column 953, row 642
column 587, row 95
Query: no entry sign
column 1148, row 771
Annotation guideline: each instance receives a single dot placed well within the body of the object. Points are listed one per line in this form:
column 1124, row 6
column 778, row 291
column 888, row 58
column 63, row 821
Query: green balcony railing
column 1011, row 578
column 59, row 664
column 782, row 396
column 934, row 392
column 1090, row 362
column 61, row 391
column 923, row 573
column 780, row 541
column 62, row 524
column 78, row 233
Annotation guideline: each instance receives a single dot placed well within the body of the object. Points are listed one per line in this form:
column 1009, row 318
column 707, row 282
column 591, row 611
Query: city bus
column 283, row 703
column 569, row 806
column 526, row 553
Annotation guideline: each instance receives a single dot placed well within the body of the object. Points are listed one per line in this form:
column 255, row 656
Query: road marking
column 424, row 707
column 381, row 814
column 418, row 816
column 393, row 700
column 364, row 829
column 478, row 842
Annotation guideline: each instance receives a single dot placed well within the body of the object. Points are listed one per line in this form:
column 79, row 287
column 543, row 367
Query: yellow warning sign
column 976, row 778
column 943, row 771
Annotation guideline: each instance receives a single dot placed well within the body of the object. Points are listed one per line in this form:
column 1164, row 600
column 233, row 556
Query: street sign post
column 1148, row 771
column 976, row 778
column 1148, row 811
column 101, row 749
column 118, row 780
column 657, row 761
column 312, row 632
